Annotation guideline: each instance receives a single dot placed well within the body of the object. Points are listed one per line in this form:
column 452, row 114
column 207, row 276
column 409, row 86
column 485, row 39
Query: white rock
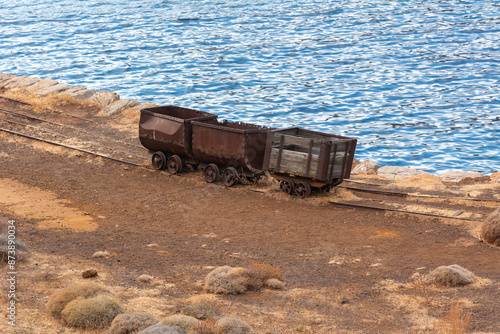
column 22, row 82
column 458, row 176
column 79, row 93
column 118, row 106
column 42, row 84
column 394, row 172
column 6, row 79
column 52, row 89
column 365, row 167
column 453, row 275
column 104, row 98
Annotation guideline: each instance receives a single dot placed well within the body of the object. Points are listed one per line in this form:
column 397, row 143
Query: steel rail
column 403, row 194
column 424, row 205
column 361, row 206
column 66, row 126
column 73, row 148
column 67, row 137
column 53, row 110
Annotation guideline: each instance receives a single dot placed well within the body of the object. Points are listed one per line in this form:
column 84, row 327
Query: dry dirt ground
column 346, row 270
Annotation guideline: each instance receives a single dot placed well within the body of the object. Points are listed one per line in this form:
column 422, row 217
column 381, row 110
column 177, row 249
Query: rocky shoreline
column 110, row 103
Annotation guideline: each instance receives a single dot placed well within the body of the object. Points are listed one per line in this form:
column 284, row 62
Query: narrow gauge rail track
column 139, row 160
column 37, row 127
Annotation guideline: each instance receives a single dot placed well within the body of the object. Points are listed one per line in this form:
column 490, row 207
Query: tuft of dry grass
column 162, row 329
column 421, row 283
column 131, row 323
column 455, row 322
column 49, row 101
column 202, row 311
column 227, row 280
column 208, row 327
column 232, row 325
column 490, row 230
column 186, row 322
column 61, row 298
column 91, row 313
column 259, row 274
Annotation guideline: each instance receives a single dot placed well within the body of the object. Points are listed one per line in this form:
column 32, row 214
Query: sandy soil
column 346, row 270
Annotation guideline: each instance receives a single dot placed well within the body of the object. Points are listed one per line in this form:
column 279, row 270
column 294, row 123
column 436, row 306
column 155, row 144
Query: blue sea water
column 417, row 82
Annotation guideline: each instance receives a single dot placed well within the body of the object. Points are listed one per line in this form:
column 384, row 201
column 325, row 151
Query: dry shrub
column 185, row 322
column 61, row 298
column 21, row 250
column 490, row 230
column 202, row 311
column 90, row 313
column 455, row 322
column 259, row 274
column 162, row 329
column 49, row 101
column 227, row 280
column 131, row 323
column 274, row 283
column 451, row 276
column 208, row 327
column 231, row 325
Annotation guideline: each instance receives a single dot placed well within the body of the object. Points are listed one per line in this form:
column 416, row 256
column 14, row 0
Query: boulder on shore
column 462, row 177
column 104, row 98
column 394, row 172
column 118, row 106
column 365, row 167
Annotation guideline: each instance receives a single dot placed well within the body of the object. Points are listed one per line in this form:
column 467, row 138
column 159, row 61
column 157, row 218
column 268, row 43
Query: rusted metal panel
column 313, row 155
column 230, row 144
column 168, row 128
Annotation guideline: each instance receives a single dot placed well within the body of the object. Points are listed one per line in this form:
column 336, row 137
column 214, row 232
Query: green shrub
column 131, row 323
column 61, row 298
column 91, row 313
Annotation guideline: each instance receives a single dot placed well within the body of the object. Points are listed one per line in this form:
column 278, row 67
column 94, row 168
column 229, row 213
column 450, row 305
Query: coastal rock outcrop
column 462, row 177
column 365, row 167
column 42, row 84
column 57, row 88
column 104, row 98
column 118, row 106
column 394, row 172
column 79, row 93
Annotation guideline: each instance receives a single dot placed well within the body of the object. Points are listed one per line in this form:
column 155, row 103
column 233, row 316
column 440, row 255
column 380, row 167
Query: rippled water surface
column 417, row 82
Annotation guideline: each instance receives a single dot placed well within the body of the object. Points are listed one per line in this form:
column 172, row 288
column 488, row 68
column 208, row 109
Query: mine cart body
column 319, row 159
column 230, row 144
column 168, row 129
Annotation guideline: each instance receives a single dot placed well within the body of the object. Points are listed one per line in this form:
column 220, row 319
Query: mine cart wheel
column 326, row 188
column 174, row 164
column 287, row 186
column 302, row 189
column 229, row 176
column 159, row 160
column 211, row 173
